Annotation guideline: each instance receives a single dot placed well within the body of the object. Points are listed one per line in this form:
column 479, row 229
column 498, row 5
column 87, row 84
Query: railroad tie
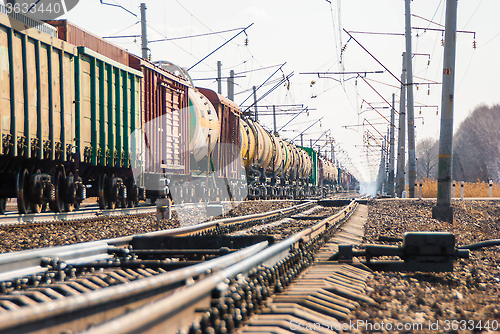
column 324, row 296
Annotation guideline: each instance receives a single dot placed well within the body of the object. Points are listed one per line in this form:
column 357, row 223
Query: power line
column 203, row 24
column 373, row 57
column 377, row 33
column 281, row 66
column 113, row 35
column 432, row 22
column 211, row 53
column 473, row 13
column 491, row 39
column 193, row 36
column 117, row 5
column 161, row 34
column 258, row 69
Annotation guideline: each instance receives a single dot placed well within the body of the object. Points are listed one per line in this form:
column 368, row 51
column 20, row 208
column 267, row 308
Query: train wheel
column 133, row 193
column 3, row 205
column 58, row 204
column 133, row 199
column 198, row 192
column 22, row 190
column 69, row 203
column 123, row 197
column 102, row 193
column 186, row 193
column 111, row 204
column 191, row 192
column 113, row 193
column 37, row 204
column 36, row 208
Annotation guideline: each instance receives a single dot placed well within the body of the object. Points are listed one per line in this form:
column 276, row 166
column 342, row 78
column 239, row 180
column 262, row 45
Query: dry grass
column 478, row 189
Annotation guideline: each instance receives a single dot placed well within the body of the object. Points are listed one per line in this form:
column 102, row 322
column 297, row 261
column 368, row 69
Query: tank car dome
column 175, row 70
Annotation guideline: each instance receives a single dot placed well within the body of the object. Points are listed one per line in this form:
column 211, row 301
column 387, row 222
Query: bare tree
column 476, row 152
column 427, row 158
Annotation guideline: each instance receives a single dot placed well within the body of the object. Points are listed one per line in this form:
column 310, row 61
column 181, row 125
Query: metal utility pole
column 390, row 189
column 219, row 77
column 386, row 165
column 230, row 86
column 412, row 166
column 443, row 211
column 256, row 117
column 333, row 151
column 400, row 179
column 381, row 173
column 274, row 120
column 144, row 32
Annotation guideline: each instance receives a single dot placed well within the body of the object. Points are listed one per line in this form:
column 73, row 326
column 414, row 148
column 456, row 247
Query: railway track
column 90, row 212
column 13, row 219
column 51, row 296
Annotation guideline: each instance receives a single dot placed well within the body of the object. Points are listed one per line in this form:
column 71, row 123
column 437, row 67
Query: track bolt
column 244, row 311
column 214, row 316
column 204, row 322
column 60, row 276
column 222, row 328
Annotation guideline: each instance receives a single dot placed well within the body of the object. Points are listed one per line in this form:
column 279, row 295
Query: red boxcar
column 77, row 36
column 164, row 118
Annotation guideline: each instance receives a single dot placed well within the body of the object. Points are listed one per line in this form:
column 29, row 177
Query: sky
column 308, row 36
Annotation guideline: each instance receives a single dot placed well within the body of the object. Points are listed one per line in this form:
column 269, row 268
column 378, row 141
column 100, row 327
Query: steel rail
column 199, row 227
column 16, row 219
column 32, row 316
column 142, row 318
column 25, row 316
column 25, row 263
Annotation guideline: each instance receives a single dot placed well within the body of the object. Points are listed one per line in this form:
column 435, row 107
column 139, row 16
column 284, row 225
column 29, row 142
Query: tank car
column 228, row 166
column 328, row 176
column 275, row 168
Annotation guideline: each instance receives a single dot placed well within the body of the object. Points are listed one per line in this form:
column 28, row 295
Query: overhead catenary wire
column 192, row 15
column 375, row 58
column 263, row 83
column 130, row 36
column 305, row 109
column 380, row 95
column 161, row 34
column 193, row 36
column 307, row 128
column 211, row 53
column 117, row 5
column 287, row 78
column 474, row 13
column 258, row 69
column 432, row 22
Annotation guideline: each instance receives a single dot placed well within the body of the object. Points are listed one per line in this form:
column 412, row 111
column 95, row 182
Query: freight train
column 80, row 117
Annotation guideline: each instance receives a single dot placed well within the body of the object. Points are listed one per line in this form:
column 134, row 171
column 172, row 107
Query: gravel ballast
column 466, row 300
column 48, row 235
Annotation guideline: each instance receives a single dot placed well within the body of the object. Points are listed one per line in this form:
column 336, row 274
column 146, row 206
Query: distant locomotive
column 80, row 117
